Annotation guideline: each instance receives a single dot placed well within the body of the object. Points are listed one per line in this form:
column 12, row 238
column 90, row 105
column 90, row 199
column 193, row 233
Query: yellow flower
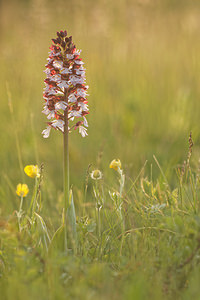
column 115, row 164
column 22, row 190
column 96, row 174
column 32, row 171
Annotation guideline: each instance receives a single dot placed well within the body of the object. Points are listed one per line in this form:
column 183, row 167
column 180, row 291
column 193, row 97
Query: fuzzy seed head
column 96, row 174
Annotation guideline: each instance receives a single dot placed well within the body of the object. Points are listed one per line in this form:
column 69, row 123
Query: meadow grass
column 142, row 60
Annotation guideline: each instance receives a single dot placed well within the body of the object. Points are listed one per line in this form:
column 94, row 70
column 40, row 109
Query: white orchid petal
column 83, row 131
column 46, row 132
column 85, row 122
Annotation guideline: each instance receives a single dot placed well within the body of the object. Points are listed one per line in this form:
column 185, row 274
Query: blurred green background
column 143, row 66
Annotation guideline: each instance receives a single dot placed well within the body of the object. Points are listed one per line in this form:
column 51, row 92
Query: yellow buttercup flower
column 32, row 171
column 115, row 164
column 22, row 190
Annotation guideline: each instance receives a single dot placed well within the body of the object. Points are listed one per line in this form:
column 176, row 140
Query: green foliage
column 148, row 245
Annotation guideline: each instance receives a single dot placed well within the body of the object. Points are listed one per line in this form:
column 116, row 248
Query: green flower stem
column 19, row 214
column 98, row 206
column 34, row 199
column 123, row 230
column 21, row 204
column 66, row 169
column 122, row 181
column 99, row 221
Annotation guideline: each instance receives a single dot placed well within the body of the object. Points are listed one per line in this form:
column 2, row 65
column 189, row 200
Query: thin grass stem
column 15, row 130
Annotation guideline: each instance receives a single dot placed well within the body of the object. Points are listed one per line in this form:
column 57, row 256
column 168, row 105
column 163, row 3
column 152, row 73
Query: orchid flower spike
column 65, row 93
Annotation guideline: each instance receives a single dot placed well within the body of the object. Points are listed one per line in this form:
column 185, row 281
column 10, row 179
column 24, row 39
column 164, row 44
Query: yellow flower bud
column 32, row 171
column 115, row 164
column 22, row 190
